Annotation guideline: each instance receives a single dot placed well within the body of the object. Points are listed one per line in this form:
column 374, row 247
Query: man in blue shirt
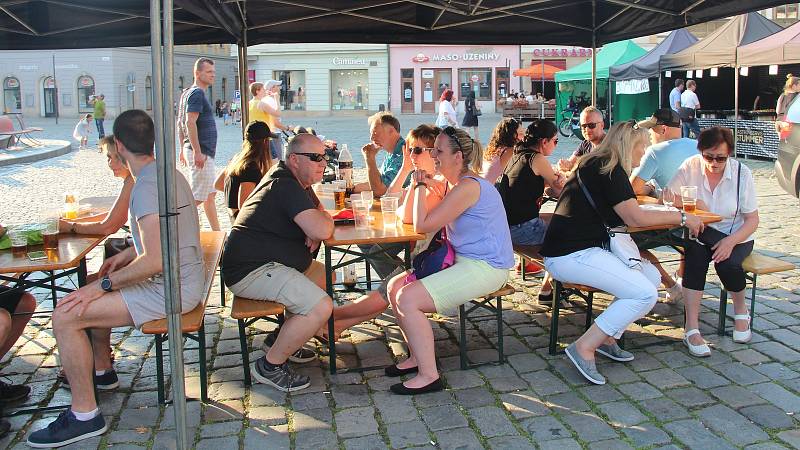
column 660, row 162
column 384, row 130
column 675, row 95
column 197, row 132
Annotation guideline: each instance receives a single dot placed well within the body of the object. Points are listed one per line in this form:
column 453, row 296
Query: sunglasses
column 419, row 150
column 719, row 159
column 451, row 133
column 316, row 157
column 590, row 125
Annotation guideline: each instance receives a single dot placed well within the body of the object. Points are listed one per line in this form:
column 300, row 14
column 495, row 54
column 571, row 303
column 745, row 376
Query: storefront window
column 293, row 91
column 349, row 89
column 476, row 80
column 148, row 93
column 12, row 98
column 85, row 91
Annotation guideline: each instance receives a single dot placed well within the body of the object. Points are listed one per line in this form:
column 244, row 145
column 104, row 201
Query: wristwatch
column 683, row 218
column 105, row 283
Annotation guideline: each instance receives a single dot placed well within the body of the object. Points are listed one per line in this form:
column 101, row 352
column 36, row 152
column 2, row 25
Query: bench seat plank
column 245, row 308
column 760, row 264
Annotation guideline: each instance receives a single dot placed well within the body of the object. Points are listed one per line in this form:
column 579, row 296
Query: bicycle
column 570, row 121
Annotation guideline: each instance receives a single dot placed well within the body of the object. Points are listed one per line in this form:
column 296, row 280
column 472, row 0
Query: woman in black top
column 574, row 244
column 470, row 114
column 523, row 183
column 247, row 168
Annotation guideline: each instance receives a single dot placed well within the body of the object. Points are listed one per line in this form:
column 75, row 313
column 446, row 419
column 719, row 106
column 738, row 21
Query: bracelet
column 421, row 184
column 683, row 218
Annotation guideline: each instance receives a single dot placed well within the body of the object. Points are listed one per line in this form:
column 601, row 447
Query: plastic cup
column 19, row 241
column 389, row 211
column 50, row 230
column 367, row 196
column 338, row 197
column 361, row 214
column 689, row 198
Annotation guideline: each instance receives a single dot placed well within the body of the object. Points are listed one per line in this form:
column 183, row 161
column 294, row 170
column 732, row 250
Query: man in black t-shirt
column 592, row 124
column 268, row 256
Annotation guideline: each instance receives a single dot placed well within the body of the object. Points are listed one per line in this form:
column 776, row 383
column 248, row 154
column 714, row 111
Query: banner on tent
column 753, row 137
column 632, row 87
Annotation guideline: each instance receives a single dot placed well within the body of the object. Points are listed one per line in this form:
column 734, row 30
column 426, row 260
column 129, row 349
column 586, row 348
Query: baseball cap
column 270, row 83
column 257, row 130
column 662, row 116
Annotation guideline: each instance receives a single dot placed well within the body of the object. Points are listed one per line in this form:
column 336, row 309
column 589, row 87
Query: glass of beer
column 19, row 240
column 689, row 198
column 339, row 195
column 389, row 211
column 50, row 230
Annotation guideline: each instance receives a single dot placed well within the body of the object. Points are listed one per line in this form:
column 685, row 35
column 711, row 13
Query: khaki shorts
column 465, row 280
column 285, row 285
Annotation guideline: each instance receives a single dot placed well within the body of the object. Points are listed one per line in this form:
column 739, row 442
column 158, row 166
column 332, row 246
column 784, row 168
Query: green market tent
column 576, row 82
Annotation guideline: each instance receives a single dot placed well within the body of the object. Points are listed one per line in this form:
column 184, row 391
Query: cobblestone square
column 744, row 396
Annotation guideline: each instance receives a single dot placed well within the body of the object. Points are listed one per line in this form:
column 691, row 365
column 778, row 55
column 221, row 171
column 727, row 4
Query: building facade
column 561, row 57
column 50, row 83
column 420, row 73
column 325, row 78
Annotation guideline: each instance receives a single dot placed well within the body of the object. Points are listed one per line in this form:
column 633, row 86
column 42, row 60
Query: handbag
column 439, row 255
column 686, row 114
column 476, row 110
column 115, row 245
column 620, row 243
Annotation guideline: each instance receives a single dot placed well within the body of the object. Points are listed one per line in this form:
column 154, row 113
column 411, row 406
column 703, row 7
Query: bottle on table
column 346, row 167
column 70, row 206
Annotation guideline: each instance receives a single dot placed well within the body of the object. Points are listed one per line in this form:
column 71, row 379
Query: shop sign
column 339, row 61
column 420, row 58
column 49, row 83
column 86, row 82
column 562, row 52
column 753, row 138
column 28, row 67
column 427, row 74
column 486, row 56
column 66, row 66
column 474, row 78
column 12, row 83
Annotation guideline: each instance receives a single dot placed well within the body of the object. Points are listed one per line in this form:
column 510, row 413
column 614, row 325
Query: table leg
column 329, row 288
column 407, row 256
column 53, row 291
column 82, row 273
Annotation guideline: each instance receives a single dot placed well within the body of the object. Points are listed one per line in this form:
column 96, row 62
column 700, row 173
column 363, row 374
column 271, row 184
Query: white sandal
column 742, row 337
column 701, row 350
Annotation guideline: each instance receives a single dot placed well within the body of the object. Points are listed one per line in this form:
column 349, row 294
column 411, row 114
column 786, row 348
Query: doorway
column 434, row 82
column 407, row 90
column 49, row 97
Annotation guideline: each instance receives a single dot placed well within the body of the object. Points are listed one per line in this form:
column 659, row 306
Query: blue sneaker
column 104, row 382
column 67, row 429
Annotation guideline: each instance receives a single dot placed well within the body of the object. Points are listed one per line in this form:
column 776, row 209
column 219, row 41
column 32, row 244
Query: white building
column 123, row 75
column 325, row 78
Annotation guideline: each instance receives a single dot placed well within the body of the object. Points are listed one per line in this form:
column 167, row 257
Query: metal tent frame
column 161, row 24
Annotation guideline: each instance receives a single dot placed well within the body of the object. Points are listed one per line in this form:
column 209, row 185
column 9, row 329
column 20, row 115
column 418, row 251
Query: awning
column 610, row 55
column 535, row 71
column 647, row 65
column 782, row 47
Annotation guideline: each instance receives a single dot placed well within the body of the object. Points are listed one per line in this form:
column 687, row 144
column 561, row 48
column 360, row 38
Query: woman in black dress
column 470, row 114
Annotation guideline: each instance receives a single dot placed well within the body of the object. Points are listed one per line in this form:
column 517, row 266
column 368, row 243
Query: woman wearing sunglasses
column 724, row 187
column 575, row 244
column 482, row 245
column 500, row 147
column 416, row 157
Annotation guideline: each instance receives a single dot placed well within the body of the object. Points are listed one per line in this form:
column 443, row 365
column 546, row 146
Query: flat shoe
column 402, row 389
column 742, row 337
column 394, row 371
column 615, row 352
column 586, row 368
column 702, row 350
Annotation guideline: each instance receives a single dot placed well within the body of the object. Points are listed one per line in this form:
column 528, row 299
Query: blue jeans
column 528, row 233
column 101, row 132
column 275, row 148
column 690, row 125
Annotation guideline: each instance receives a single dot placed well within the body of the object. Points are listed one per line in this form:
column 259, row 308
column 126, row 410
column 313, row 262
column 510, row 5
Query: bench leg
column 221, row 290
column 554, row 318
column 201, row 346
column 753, row 302
column 501, row 357
column 462, row 341
column 723, row 311
column 160, row 368
column 524, row 262
column 245, row 352
column 589, row 313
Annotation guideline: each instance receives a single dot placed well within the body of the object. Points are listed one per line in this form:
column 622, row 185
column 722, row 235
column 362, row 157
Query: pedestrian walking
column 471, row 113
column 81, row 131
column 99, row 104
column 688, row 110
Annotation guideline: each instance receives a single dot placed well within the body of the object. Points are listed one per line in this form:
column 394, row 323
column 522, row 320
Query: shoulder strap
column 738, row 184
column 589, row 197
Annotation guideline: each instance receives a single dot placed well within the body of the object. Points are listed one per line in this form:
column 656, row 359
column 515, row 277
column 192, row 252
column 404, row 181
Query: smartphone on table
column 37, row 256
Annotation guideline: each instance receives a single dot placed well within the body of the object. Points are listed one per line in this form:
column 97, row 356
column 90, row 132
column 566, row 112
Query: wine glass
column 667, row 197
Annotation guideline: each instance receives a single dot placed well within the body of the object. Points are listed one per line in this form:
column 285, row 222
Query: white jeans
column 635, row 290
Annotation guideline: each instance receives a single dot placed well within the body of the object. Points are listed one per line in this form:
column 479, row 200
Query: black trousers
column 698, row 256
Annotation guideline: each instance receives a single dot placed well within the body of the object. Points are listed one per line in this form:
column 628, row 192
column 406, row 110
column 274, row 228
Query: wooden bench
column 754, row 265
column 192, row 323
column 484, row 302
column 561, row 292
column 246, row 312
column 528, row 253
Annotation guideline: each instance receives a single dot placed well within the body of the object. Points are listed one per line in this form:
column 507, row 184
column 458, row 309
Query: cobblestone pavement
column 743, row 396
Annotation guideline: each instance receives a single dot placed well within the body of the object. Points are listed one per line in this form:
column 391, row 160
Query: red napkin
column 345, row 214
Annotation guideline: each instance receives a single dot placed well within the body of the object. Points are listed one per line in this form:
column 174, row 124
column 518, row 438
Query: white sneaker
column 674, row 294
column 701, row 350
column 742, row 337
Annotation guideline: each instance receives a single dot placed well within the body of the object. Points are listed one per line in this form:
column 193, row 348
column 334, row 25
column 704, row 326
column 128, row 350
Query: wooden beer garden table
column 662, row 233
column 345, row 236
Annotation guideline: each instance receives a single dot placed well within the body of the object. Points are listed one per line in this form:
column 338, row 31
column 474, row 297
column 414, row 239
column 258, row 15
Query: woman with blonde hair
column 790, row 90
column 500, row 147
column 247, row 167
column 482, row 243
column 576, row 241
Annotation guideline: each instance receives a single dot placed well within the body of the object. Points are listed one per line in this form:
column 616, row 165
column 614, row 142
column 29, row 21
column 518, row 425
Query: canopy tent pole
column 244, row 82
column 594, row 53
column 168, row 219
column 541, row 115
column 736, row 108
column 660, row 91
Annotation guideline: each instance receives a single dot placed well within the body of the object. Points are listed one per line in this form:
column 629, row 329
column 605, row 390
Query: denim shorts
column 528, row 233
